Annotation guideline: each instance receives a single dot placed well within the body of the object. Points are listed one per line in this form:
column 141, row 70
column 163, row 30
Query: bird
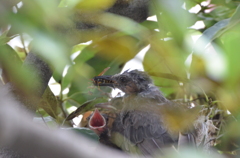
column 139, row 126
column 100, row 123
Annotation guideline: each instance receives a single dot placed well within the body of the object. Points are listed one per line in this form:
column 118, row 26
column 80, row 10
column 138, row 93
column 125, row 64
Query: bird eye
column 123, row 79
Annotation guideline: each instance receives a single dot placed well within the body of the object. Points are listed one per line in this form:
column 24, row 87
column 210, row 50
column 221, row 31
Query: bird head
column 129, row 82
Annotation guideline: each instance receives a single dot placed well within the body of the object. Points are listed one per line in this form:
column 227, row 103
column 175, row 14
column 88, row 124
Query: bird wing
column 141, row 132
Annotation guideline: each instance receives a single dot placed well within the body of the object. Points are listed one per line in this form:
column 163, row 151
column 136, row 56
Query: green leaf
column 63, row 3
column 190, row 3
column 168, row 15
column 79, row 47
column 151, row 25
column 236, row 17
column 217, row 30
column 231, row 47
column 67, row 79
column 165, row 58
column 4, row 38
column 123, row 24
column 79, row 98
column 94, row 5
column 87, row 106
column 50, row 104
column 57, row 76
column 52, row 50
column 212, row 33
column 165, row 63
column 11, row 65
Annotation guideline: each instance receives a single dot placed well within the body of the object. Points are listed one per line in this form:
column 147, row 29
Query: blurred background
column 188, row 47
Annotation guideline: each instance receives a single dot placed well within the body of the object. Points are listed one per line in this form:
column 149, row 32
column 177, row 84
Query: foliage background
column 185, row 70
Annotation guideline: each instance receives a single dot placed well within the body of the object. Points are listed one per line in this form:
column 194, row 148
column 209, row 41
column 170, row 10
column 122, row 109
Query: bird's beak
column 104, row 81
column 97, row 122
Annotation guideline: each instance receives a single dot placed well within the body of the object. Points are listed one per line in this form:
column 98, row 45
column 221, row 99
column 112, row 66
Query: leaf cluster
column 79, row 39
